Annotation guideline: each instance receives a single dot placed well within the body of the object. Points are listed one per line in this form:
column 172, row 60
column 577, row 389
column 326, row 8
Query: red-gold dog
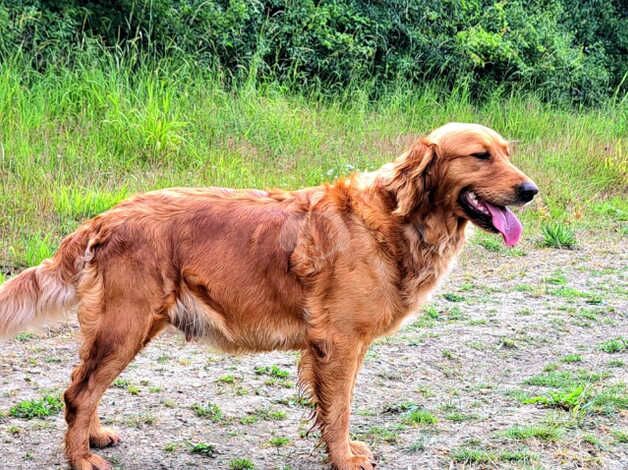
column 323, row 270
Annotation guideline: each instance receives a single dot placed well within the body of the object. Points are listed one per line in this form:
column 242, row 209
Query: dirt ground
column 501, row 318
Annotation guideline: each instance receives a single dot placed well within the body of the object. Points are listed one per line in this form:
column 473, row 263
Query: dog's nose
column 526, row 191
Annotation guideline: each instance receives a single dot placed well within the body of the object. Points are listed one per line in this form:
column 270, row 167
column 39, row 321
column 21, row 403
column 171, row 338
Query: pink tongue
column 506, row 222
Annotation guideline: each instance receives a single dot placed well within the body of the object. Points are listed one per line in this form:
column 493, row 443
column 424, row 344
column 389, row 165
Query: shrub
column 564, row 50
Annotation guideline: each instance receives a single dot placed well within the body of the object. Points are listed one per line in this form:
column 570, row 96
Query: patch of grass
column 279, row 441
column 571, row 358
column 616, row 363
column 25, row 336
column 32, row 250
column 208, row 450
column 458, row 417
column 272, row 371
column 571, row 398
column 266, row 414
column 170, row 447
column 608, row 400
column 241, row 464
column 614, row 345
column 140, row 420
column 557, row 235
column 466, row 455
column 208, row 410
column 538, row 431
column 376, row 434
column 226, row 379
column 133, row 389
column 400, row 407
column 561, row 379
column 48, row 405
column 489, row 243
column 621, row 436
column 78, row 204
column 121, row 383
column 522, row 455
column 452, row 297
column 470, row 455
column 419, row 417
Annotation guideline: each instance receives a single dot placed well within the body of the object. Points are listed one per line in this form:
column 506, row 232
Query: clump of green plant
column 419, row 417
column 241, row 464
column 279, row 441
column 208, row 410
column 614, row 345
column 570, row 358
column 48, row 405
column 557, row 235
column 202, row 448
column 272, row 371
column 539, row 431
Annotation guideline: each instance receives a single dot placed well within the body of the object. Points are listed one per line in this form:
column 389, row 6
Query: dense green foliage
column 563, row 50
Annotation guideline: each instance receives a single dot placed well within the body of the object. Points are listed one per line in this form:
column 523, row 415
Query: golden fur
column 323, row 270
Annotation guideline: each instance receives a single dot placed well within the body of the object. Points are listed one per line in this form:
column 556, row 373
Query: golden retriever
column 322, row 270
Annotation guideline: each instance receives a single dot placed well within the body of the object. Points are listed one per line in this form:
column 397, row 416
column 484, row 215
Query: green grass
column 208, row 410
column 557, row 235
column 272, row 371
column 571, row 358
column 279, row 441
column 202, row 448
column 76, row 141
column 614, row 345
column 469, row 455
column 539, row 431
column 241, row 464
column 419, row 417
column 48, row 405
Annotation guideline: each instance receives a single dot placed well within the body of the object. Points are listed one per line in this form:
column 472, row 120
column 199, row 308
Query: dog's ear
column 409, row 182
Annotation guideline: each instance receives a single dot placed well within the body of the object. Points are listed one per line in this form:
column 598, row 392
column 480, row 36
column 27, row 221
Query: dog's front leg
column 328, row 369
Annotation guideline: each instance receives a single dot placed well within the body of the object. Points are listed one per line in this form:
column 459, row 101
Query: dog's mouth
column 491, row 217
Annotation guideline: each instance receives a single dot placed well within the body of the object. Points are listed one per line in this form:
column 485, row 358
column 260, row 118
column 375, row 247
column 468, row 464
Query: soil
column 500, row 318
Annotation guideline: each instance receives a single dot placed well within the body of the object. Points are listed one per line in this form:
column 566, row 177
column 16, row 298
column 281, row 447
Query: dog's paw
column 355, row 462
column 104, row 437
column 360, row 448
column 91, row 462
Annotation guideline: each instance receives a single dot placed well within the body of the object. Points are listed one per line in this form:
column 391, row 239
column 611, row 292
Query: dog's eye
column 481, row 155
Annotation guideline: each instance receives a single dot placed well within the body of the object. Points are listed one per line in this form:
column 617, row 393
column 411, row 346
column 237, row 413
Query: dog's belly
column 237, row 332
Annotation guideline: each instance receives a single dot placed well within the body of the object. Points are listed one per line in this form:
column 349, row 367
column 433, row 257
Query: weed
column 39, row 408
column 570, row 358
column 540, row 431
column 170, row 447
column 614, row 345
column 616, row 363
column 272, row 371
column 226, row 379
column 419, row 417
column 279, row 441
column 454, row 297
column 557, row 235
column 202, row 448
column 241, row 464
column 621, row 436
column 209, row 410
column 24, row 337
column 467, row 455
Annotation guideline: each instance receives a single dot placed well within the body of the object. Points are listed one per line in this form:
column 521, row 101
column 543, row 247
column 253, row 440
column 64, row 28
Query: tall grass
column 75, row 141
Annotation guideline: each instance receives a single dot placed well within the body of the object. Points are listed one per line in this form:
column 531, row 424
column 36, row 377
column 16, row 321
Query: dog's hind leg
column 114, row 330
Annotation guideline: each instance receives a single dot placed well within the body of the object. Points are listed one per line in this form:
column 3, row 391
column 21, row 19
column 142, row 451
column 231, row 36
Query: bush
column 564, row 50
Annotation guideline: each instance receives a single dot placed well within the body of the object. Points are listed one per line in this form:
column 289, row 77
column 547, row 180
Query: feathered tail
column 43, row 293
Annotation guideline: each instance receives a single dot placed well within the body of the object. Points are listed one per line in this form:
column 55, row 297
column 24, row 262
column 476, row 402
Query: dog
column 323, row 270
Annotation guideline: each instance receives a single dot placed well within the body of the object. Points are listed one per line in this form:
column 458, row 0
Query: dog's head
column 465, row 170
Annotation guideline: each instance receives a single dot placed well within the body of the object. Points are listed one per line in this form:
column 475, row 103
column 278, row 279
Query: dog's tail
column 43, row 293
